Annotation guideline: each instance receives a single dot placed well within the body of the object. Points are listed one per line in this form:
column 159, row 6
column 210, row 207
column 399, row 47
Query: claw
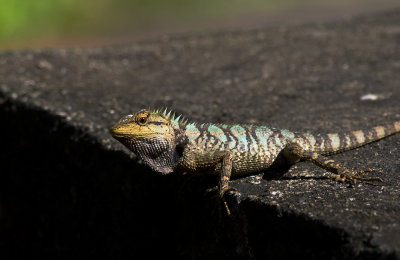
column 222, row 195
column 352, row 176
column 228, row 211
column 219, row 197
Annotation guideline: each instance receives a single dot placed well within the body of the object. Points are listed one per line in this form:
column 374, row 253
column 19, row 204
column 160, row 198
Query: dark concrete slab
column 67, row 189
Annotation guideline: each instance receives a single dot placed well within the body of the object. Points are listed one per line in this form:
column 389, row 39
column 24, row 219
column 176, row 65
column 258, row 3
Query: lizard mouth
column 128, row 131
column 119, row 131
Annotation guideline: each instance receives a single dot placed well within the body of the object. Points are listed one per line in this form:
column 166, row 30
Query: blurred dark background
column 34, row 24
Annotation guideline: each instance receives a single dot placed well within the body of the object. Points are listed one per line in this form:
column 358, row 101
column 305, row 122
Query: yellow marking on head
column 144, row 124
column 359, row 135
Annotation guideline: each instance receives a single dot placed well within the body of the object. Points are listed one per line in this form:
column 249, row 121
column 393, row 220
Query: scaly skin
column 167, row 143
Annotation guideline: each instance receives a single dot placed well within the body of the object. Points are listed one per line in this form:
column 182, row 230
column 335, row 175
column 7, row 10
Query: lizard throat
column 159, row 155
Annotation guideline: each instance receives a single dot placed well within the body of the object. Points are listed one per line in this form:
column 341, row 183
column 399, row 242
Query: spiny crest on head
column 169, row 115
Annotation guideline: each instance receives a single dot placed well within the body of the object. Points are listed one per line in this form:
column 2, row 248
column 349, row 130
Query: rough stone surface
column 67, row 189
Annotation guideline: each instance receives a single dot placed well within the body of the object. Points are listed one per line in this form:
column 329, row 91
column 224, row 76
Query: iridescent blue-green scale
column 258, row 147
column 253, row 148
column 220, row 138
column 231, row 139
column 239, row 133
column 192, row 132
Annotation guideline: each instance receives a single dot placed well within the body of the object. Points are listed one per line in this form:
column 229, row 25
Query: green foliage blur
column 32, row 20
column 41, row 23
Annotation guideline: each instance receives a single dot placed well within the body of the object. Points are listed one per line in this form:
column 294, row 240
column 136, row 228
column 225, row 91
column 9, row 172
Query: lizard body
column 167, row 143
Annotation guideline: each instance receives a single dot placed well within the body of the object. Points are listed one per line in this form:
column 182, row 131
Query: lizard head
column 144, row 125
column 151, row 136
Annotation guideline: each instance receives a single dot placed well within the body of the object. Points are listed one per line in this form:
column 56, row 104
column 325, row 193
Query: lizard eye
column 142, row 120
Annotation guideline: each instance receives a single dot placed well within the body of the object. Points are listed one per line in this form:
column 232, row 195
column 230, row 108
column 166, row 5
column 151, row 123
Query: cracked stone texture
column 67, row 189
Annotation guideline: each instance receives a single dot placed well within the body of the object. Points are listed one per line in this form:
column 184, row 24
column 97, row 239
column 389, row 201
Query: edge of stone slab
column 264, row 223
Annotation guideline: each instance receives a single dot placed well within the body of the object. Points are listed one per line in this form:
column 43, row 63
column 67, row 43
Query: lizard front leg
column 225, row 173
column 223, row 165
column 339, row 172
column 224, row 177
column 219, row 162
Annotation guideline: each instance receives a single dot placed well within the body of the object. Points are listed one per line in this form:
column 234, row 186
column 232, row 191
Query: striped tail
column 333, row 143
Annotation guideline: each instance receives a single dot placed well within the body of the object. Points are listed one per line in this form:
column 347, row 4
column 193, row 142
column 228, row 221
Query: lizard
column 168, row 143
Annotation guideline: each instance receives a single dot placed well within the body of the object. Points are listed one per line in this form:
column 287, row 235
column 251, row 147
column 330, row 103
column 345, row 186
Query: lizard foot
column 222, row 196
column 351, row 176
column 219, row 202
column 220, row 199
